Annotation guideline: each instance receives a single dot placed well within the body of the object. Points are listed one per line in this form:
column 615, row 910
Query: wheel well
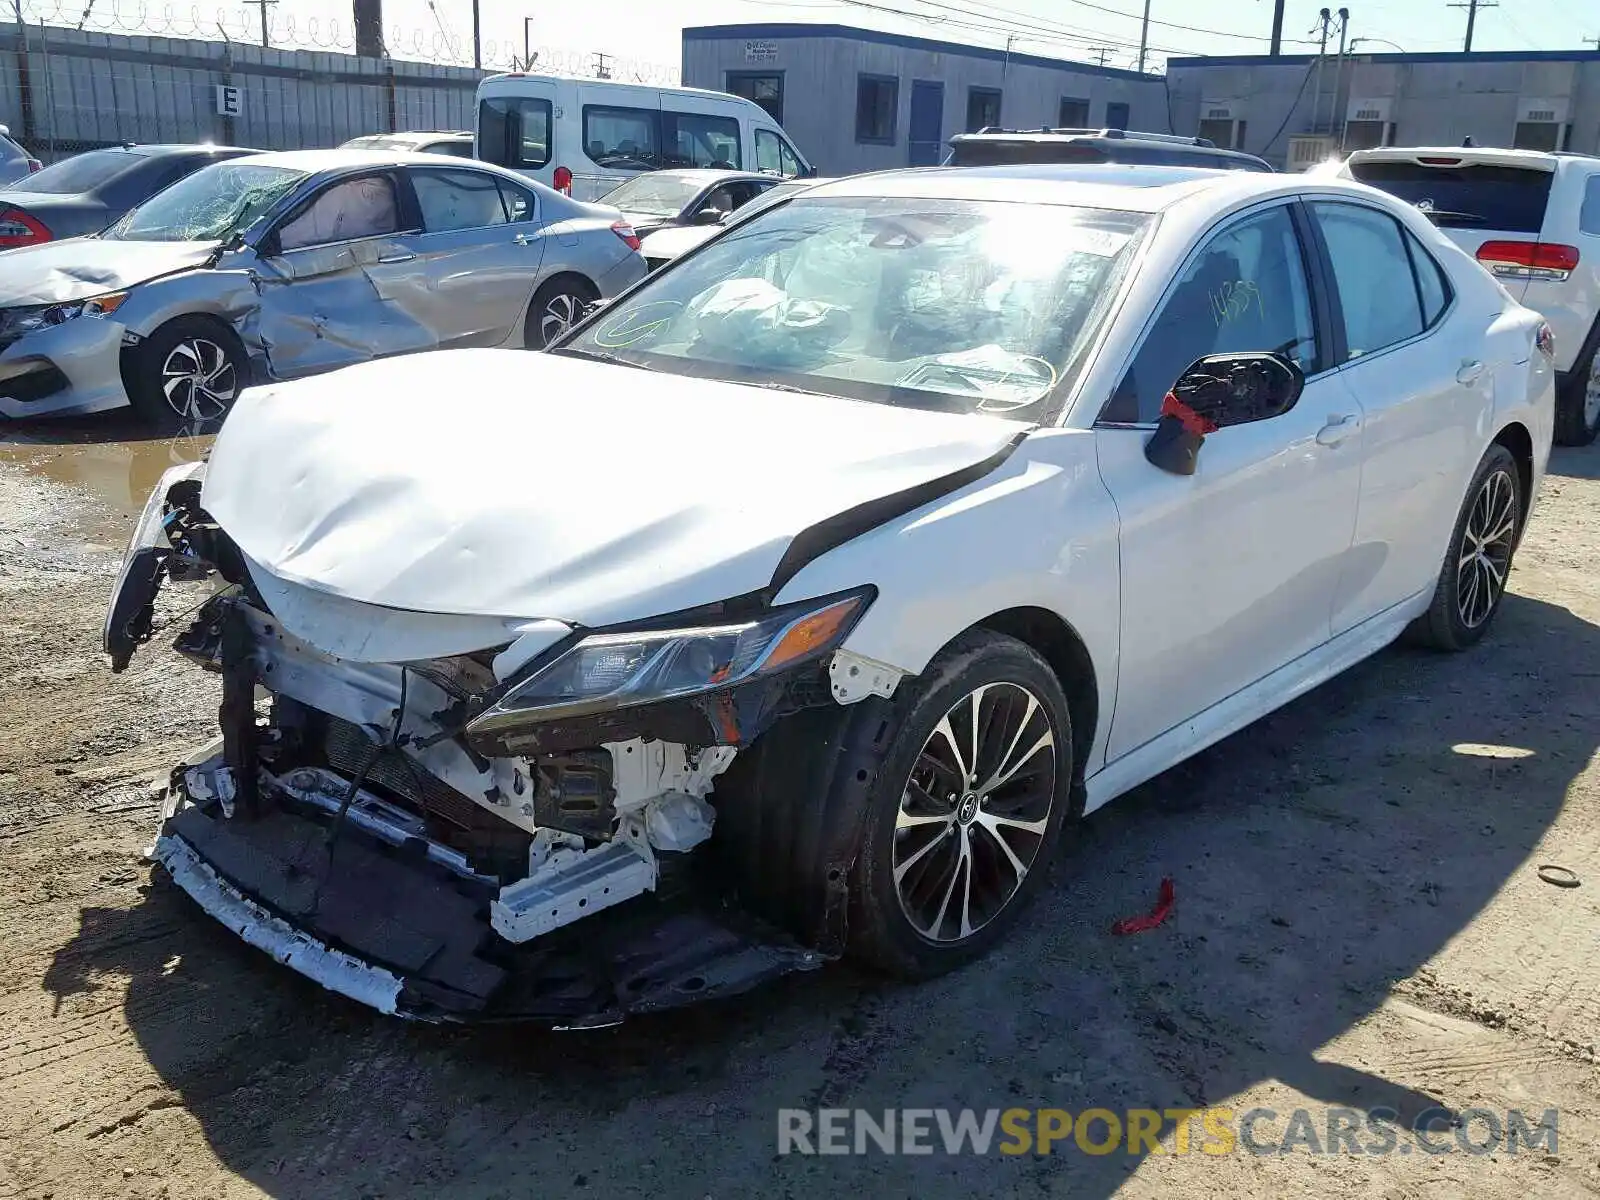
column 1516, row 438
column 570, row 277
column 1068, row 657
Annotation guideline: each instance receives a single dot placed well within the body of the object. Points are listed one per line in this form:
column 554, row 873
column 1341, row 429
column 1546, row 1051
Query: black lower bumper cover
column 398, row 911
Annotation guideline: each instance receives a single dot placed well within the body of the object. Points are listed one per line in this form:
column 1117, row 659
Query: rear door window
column 627, row 139
column 1467, row 195
column 701, row 140
column 514, row 131
column 1378, row 293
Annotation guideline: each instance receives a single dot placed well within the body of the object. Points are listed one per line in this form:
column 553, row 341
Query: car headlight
column 18, row 321
column 612, row 670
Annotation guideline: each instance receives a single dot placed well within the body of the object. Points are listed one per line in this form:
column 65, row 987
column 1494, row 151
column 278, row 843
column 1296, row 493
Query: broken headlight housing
column 17, row 322
column 612, row 670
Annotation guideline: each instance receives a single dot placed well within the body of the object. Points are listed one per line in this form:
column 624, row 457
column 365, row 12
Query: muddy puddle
column 111, row 457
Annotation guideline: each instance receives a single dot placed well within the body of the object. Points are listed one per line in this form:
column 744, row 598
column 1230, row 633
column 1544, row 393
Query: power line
column 1058, row 34
column 1117, row 12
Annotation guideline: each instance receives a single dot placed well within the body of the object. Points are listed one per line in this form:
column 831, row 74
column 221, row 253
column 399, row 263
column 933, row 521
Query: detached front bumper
column 382, row 916
column 69, row 369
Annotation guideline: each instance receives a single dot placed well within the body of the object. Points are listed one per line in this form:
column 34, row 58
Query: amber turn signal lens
column 808, row 634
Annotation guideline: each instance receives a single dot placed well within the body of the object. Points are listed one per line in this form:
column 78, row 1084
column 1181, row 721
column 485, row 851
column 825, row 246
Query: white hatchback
column 1532, row 218
column 800, row 600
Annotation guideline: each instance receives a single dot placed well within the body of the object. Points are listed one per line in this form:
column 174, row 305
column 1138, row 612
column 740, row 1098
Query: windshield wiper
column 1439, row 214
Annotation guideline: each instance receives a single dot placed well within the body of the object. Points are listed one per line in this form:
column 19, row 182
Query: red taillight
column 562, row 179
column 1536, row 256
column 1549, row 261
column 625, row 231
column 18, row 228
column 1440, row 162
column 34, row 165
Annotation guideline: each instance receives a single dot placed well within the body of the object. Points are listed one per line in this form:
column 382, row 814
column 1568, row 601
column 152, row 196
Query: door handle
column 521, row 239
column 396, row 256
column 1471, row 371
column 1337, row 429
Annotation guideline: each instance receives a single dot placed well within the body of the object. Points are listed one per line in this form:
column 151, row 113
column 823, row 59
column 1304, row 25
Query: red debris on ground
column 1152, row 918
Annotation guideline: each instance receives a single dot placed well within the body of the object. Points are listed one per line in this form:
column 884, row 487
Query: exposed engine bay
column 442, row 841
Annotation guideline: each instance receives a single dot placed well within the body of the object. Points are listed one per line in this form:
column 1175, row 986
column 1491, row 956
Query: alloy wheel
column 199, row 380
column 1486, row 545
column 974, row 811
column 1591, row 395
column 559, row 315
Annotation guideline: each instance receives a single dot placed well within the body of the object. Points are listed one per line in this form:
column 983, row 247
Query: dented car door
column 342, row 279
column 481, row 248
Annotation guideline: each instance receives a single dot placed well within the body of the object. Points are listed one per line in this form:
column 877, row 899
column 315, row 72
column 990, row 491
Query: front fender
column 1040, row 532
column 229, row 296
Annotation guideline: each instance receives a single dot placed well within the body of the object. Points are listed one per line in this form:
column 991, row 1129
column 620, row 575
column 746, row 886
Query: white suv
column 1533, row 219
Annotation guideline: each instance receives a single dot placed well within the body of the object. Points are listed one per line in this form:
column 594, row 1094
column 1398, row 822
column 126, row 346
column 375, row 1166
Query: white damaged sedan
column 802, row 600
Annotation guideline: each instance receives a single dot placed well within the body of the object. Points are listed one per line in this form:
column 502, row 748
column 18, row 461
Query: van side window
column 774, row 156
column 514, row 131
column 701, row 140
column 625, row 139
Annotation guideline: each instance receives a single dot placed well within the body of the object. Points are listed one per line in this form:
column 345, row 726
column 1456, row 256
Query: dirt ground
column 1358, row 923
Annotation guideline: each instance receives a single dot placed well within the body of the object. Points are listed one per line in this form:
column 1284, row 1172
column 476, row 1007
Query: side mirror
column 1215, row 392
column 710, row 216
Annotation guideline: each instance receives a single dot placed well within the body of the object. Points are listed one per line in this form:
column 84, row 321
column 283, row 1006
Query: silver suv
column 1532, row 218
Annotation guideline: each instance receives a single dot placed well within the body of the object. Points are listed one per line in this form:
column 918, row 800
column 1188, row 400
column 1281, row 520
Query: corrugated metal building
column 861, row 100
column 1544, row 100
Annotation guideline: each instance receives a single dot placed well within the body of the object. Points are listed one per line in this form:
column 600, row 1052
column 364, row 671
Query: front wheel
column 967, row 809
column 187, row 373
column 1472, row 581
column 557, row 307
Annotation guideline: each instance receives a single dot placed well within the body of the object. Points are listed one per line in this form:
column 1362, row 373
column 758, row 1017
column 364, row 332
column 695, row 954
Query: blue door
column 927, row 123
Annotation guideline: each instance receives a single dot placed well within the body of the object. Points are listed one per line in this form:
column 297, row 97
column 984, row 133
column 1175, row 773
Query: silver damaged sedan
column 282, row 265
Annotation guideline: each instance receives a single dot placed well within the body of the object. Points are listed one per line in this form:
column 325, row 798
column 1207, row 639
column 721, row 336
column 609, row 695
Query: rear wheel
column 1472, row 581
column 1578, row 402
column 557, row 307
column 187, row 373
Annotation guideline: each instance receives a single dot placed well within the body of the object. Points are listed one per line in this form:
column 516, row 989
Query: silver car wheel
column 974, row 811
column 1486, row 545
column 199, row 380
column 559, row 315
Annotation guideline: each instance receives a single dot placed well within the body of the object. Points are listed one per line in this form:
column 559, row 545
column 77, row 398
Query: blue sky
column 569, row 32
column 648, row 29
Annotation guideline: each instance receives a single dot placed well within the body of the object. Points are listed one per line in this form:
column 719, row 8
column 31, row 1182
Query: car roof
column 416, row 135
column 1132, row 187
column 343, row 158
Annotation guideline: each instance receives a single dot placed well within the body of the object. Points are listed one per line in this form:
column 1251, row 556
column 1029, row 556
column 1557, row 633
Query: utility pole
column 1101, row 54
column 477, row 38
column 527, row 44
column 1277, row 28
column 1323, row 29
column 602, row 68
column 1144, row 33
column 1472, row 7
column 262, row 5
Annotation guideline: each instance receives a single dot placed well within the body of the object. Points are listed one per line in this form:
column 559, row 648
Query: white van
column 585, row 136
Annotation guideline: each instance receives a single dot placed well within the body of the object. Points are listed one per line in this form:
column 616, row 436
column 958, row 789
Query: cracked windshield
column 952, row 305
column 212, row 204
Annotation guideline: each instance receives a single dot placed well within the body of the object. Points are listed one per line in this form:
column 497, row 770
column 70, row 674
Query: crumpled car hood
column 502, row 483
column 78, row 268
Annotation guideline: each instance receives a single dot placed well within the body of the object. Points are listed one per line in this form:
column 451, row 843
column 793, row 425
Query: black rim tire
column 1445, row 626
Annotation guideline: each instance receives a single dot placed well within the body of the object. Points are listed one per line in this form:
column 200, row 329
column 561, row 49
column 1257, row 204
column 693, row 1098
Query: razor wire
column 439, row 47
